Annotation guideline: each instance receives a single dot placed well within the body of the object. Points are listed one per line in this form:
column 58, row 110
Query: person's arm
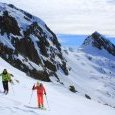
column 34, row 87
column 1, row 74
column 9, row 78
column 14, row 78
column 12, row 75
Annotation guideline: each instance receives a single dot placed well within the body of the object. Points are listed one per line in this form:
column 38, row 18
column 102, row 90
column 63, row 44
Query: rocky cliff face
column 28, row 44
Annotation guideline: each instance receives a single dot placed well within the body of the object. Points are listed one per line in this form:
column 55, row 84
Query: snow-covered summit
column 98, row 41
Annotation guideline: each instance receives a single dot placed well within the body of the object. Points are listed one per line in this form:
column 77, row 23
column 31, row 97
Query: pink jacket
column 40, row 89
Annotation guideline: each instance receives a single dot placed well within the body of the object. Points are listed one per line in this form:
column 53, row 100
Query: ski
column 33, row 107
column 4, row 93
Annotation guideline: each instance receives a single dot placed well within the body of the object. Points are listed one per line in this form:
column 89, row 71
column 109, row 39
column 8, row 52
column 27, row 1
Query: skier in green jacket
column 6, row 77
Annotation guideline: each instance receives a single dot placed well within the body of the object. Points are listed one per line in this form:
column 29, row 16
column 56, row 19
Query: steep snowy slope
column 92, row 69
column 28, row 44
column 61, row 101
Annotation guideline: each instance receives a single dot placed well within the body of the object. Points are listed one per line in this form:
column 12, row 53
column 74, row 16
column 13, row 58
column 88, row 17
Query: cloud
column 72, row 16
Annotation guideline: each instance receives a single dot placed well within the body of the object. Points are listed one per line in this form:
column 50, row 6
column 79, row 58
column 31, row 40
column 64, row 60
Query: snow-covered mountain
column 92, row 74
column 92, row 69
column 100, row 42
column 28, row 44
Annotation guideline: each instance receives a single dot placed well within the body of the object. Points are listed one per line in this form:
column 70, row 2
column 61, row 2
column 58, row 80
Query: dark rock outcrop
column 8, row 24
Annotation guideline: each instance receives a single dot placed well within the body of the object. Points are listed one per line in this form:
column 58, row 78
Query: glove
column 11, row 81
column 12, row 75
column 33, row 87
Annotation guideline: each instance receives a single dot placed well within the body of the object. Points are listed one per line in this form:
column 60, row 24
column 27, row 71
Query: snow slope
column 61, row 101
column 92, row 73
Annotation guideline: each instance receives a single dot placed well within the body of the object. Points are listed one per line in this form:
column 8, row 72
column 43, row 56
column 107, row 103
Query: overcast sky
column 73, row 16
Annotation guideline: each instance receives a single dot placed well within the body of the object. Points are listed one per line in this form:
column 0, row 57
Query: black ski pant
column 5, row 86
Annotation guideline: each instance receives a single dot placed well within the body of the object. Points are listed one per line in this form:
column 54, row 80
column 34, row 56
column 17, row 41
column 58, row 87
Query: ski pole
column 31, row 97
column 47, row 102
column 12, row 88
column 17, row 80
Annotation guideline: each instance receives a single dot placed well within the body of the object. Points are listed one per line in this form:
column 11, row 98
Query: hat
column 38, row 83
column 5, row 69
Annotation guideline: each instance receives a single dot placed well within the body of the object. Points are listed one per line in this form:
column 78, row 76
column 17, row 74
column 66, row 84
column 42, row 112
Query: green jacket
column 5, row 77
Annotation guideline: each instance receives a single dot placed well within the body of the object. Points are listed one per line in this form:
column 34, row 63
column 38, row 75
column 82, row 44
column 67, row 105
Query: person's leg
column 42, row 101
column 3, row 82
column 5, row 85
column 7, row 88
column 38, row 98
